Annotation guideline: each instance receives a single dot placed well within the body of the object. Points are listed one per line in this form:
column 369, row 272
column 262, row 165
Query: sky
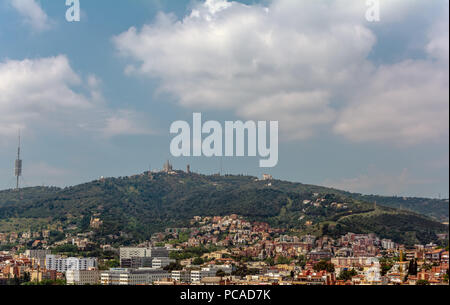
column 362, row 106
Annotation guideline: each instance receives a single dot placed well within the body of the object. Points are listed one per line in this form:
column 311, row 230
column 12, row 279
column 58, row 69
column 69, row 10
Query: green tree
column 347, row 275
column 446, row 277
column 283, row 260
column 26, row 277
column 270, row 261
column 198, row 261
column 385, row 267
column 301, row 261
column 173, row 266
column 324, row 266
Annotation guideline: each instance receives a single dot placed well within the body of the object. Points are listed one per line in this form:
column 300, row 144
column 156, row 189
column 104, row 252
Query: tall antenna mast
column 18, row 165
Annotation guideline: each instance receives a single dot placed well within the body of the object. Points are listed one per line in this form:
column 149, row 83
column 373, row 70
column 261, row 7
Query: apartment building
column 55, row 262
column 198, row 275
column 181, row 276
column 126, row 276
column 161, row 262
column 83, row 277
column 134, row 257
column 37, row 256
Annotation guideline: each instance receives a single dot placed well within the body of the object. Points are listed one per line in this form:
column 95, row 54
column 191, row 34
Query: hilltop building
column 267, row 177
column 167, row 168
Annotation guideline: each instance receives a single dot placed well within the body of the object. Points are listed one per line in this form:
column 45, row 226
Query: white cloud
column 405, row 103
column 228, row 55
column 298, row 112
column 266, row 62
column 125, row 122
column 438, row 46
column 47, row 93
column 32, row 13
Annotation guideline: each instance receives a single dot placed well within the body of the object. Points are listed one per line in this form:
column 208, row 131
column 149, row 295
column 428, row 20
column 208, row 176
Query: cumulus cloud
column 405, row 103
column 438, row 36
column 47, row 93
column 229, row 55
column 301, row 112
column 304, row 63
column 32, row 13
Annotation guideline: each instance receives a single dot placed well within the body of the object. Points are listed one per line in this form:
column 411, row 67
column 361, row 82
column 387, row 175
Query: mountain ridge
column 141, row 205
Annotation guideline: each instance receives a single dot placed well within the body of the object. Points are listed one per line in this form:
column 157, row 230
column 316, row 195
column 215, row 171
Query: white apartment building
column 161, row 262
column 83, row 277
column 373, row 274
column 56, row 262
column 181, row 276
column 125, row 276
column 198, row 275
column 387, row 244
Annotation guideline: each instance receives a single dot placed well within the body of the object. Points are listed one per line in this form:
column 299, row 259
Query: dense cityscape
column 219, row 250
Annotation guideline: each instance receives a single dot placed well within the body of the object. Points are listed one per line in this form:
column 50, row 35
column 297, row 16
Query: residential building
column 181, row 276
column 126, row 276
column 55, row 262
column 83, row 277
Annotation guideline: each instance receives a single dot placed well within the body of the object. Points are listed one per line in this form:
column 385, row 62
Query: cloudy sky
column 362, row 106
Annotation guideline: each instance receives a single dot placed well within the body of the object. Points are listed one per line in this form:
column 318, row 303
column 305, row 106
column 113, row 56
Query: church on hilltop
column 167, row 168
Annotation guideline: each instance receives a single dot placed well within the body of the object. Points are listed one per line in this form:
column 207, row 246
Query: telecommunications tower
column 18, row 165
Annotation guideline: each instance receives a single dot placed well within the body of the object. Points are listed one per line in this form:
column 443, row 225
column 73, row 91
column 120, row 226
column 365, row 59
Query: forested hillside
column 135, row 207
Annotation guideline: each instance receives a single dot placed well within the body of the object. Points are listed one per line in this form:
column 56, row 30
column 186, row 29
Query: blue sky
column 361, row 106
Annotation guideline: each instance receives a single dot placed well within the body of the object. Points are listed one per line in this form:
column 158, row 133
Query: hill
column 133, row 208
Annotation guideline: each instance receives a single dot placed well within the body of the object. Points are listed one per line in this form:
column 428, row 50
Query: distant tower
column 188, row 169
column 167, row 167
column 18, row 165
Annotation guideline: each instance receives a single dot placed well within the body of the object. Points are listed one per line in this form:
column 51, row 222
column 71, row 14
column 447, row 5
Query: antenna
column 18, row 165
